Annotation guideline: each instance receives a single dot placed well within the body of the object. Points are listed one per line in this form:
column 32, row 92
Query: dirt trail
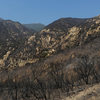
column 91, row 93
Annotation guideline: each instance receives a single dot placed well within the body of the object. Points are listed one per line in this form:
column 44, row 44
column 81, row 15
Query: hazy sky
column 46, row 11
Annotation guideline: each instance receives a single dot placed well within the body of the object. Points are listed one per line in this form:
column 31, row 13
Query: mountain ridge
column 49, row 42
column 64, row 55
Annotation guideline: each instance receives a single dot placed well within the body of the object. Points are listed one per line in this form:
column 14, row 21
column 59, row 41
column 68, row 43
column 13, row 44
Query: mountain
column 1, row 19
column 12, row 36
column 62, row 56
column 62, row 25
column 62, row 35
column 36, row 27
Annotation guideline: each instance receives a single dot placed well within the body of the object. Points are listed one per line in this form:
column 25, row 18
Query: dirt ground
column 90, row 93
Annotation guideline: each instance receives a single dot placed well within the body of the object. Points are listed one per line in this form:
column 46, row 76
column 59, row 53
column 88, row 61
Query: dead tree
column 57, row 74
column 85, row 68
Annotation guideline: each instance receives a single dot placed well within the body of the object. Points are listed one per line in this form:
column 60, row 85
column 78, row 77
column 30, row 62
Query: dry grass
column 91, row 93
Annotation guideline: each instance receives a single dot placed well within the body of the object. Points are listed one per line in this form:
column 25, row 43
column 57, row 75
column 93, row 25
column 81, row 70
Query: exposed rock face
column 60, row 35
column 64, row 42
column 65, row 33
column 12, row 37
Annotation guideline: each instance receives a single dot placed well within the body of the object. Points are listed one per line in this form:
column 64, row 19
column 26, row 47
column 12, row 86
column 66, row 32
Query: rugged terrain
column 61, row 35
column 59, row 47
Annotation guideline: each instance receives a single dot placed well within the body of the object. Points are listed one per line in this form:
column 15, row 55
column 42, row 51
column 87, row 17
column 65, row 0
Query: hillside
column 12, row 36
column 62, row 56
column 53, row 39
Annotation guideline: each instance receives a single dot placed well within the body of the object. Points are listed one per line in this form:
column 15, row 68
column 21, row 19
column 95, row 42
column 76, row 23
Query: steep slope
column 61, row 35
column 12, row 36
column 62, row 25
column 77, row 31
column 62, row 45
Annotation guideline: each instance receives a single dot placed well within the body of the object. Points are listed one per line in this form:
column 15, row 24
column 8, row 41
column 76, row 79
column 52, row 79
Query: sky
column 47, row 11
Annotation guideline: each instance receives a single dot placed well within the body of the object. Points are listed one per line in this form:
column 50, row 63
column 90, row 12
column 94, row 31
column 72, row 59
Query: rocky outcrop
column 12, row 37
column 63, row 34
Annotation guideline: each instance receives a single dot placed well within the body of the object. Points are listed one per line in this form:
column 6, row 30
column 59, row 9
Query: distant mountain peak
column 35, row 26
column 1, row 19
